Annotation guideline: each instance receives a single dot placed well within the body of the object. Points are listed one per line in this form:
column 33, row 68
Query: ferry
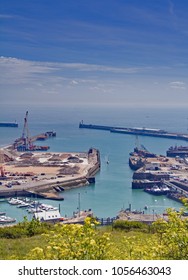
column 177, row 151
column 156, row 190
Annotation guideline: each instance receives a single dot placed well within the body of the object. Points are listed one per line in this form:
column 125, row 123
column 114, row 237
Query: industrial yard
column 46, row 173
column 27, row 169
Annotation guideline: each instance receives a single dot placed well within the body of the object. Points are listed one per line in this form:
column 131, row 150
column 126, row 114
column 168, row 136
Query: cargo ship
column 137, row 158
column 181, row 151
column 8, row 124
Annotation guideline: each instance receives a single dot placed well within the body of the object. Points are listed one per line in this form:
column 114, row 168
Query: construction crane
column 25, row 133
column 25, row 142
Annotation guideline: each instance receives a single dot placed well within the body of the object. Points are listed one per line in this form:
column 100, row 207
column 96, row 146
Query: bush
column 73, row 242
column 24, row 229
column 129, row 225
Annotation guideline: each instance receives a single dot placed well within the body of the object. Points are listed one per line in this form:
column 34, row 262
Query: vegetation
column 129, row 225
column 126, row 240
column 25, row 229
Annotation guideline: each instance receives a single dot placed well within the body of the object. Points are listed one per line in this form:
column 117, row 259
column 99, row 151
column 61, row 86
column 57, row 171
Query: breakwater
column 8, row 124
column 138, row 131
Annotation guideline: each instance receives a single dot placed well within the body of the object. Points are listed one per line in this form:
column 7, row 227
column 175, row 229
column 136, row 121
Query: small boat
column 145, row 207
column 23, row 205
column 107, row 160
column 14, row 201
column 6, row 220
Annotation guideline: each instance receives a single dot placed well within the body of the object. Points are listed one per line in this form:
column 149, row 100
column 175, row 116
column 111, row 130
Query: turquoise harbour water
column 112, row 190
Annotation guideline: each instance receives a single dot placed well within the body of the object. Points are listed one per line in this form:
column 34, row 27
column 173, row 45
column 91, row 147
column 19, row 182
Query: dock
column 138, row 131
column 47, row 174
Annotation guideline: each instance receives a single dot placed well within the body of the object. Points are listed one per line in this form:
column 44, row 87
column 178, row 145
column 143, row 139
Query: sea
column 112, row 190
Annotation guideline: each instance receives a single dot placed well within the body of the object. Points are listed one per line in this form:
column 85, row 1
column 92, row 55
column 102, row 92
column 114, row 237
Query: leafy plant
column 73, row 242
column 129, row 225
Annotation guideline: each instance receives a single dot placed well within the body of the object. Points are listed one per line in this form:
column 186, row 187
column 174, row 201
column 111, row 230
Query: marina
column 36, row 209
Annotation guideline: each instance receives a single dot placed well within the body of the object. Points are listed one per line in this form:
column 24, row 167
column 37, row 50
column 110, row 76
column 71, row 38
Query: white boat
column 14, row 201
column 6, row 220
column 23, row 204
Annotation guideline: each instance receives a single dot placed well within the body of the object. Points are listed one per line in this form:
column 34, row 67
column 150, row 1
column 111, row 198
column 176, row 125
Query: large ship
column 181, row 151
column 137, row 158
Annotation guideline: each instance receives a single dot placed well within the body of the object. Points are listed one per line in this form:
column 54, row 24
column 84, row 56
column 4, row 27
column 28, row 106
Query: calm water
column 112, row 190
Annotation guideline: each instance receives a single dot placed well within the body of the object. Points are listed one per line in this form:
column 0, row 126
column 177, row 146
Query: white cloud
column 15, row 70
column 73, row 82
column 37, row 82
column 178, row 85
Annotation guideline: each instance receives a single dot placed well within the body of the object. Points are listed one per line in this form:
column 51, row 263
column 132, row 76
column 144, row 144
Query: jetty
column 153, row 132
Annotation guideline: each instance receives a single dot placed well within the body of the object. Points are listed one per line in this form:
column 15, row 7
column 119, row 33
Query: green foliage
column 24, row 229
column 127, row 241
column 18, row 248
column 129, row 225
column 133, row 246
column 73, row 242
column 172, row 237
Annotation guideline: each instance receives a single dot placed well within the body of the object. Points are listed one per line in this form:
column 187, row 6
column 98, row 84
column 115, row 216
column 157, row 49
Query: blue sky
column 104, row 52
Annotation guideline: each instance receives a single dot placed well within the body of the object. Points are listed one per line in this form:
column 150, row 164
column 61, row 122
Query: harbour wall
column 94, row 158
column 8, row 124
column 133, row 131
column 150, row 176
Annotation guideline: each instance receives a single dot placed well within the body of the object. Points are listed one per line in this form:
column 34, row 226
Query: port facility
column 44, row 174
column 137, row 131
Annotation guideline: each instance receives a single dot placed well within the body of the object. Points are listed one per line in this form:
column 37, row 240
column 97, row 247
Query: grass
column 18, row 248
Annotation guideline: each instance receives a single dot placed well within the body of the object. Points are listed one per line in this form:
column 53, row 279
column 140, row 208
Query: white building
column 47, row 215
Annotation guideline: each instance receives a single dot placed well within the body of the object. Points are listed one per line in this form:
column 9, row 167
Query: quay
column 159, row 175
column 137, row 131
column 47, row 174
